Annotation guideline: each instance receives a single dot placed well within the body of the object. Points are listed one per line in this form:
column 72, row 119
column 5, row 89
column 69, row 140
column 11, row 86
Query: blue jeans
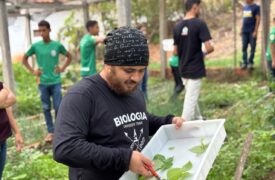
column 143, row 85
column 46, row 92
column 3, row 154
column 247, row 38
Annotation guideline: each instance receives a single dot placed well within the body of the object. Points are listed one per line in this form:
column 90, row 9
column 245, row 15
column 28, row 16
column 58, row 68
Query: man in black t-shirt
column 189, row 35
column 102, row 123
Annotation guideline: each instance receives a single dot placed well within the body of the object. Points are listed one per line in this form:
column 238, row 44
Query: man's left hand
column 177, row 121
column 58, row 70
column 255, row 34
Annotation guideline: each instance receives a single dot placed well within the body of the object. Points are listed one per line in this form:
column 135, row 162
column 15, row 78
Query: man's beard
column 119, row 86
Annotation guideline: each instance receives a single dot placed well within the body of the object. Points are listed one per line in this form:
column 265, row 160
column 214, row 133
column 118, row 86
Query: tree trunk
column 265, row 21
column 123, row 12
column 162, row 35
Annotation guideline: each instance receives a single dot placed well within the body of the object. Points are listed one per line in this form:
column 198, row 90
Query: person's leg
column 57, row 96
column 253, row 43
column 3, row 155
column 46, row 104
column 271, row 76
column 245, row 41
column 192, row 92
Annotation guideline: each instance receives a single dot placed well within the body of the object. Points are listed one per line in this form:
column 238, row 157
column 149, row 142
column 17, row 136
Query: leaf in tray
column 167, row 164
column 161, row 163
column 171, row 148
column 145, row 178
column 188, row 166
column 199, row 149
column 179, row 173
column 174, row 173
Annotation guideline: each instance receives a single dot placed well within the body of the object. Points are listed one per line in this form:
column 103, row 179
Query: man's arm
column 175, row 51
column 25, row 61
column 67, row 62
column 258, row 19
column 16, row 130
column 208, row 47
column 272, row 49
column 7, row 98
column 99, row 39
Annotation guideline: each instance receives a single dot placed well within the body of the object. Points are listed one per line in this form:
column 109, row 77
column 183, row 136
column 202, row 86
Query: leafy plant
column 179, row 173
column 162, row 163
column 199, row 149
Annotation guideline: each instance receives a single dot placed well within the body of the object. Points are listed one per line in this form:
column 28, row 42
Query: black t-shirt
column 188, row 37
column 5, row 128
column 97, row 130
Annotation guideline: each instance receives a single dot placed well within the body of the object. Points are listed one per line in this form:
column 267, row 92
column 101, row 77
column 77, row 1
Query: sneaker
column 49, row 138
column 250, row 66
column 243, row 66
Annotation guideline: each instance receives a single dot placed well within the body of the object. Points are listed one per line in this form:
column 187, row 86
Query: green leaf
column 174, row 173
column 171, row 148
column 161, row 163
column 188, row 166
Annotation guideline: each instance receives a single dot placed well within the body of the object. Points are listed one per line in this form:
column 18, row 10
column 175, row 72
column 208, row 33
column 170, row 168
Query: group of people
column 102, row 122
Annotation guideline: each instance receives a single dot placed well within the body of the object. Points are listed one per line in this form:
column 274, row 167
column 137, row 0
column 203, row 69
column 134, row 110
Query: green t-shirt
column 174, row 61
column 271, row 39
column 87, row 51
column 47, row 57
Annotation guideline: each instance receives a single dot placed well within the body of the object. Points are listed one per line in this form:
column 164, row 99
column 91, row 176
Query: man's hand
column 58, row 70
column 255, row 34
column 37, row 72
column 137, row 164
column 177, row 121
column 273, row 64
column 18, row 142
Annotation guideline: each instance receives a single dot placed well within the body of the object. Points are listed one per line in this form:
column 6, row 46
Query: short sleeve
column 31, row 51
column 257, row 11
column 63, row 50
column 93, row 41
column 272, row 37
column 204, row 33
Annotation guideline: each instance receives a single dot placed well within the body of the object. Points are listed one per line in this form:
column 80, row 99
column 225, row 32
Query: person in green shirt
column 270, row 55
column 88, row 49
column 48, row 73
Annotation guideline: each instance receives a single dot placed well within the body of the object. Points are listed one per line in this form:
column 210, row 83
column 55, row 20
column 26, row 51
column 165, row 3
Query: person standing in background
column 251, row 23
column 88, row 49
column 47, row 54
column 7, row 125
column 189, row 35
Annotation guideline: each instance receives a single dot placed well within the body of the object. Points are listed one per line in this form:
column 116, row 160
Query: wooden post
column 5, row 47
column 123, row 12
column 244, row 155
column 85, row 8
column 235, row 32
column 162, row 35
column 265, row 21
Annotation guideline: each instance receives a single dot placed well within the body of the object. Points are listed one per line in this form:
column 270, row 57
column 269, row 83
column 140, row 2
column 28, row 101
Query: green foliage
column 72, row 31
column 179, row 173
column 162, row 163
column 32, row 165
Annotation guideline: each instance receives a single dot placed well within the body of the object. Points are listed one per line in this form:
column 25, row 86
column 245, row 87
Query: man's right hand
column 137, row 164
column 37, row 72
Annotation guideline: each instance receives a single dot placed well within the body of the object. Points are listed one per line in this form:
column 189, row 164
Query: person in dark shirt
column 189, row 35
column 102, row 124
column 7, row 124
column 251, row 22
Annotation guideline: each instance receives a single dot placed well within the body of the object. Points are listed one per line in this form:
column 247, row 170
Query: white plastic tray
column 183, row 139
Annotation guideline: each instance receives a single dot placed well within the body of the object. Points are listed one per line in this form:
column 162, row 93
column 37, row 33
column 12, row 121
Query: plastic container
column 182, row 140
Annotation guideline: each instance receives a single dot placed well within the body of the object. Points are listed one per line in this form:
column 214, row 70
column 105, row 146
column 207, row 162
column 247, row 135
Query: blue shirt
column 249, row 17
